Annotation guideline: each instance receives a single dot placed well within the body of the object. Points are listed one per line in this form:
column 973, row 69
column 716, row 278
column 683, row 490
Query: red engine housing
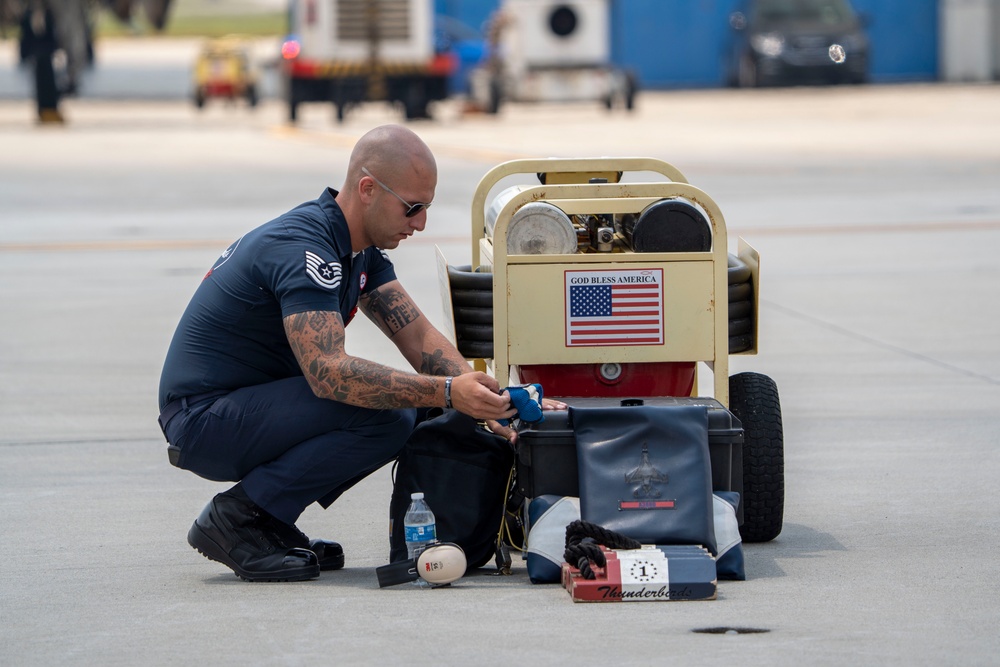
column 667, row 378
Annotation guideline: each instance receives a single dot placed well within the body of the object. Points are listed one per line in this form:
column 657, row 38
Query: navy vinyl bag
column 645, row 472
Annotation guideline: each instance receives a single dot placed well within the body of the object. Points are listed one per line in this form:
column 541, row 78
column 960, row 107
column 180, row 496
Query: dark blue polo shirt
column 231, row 334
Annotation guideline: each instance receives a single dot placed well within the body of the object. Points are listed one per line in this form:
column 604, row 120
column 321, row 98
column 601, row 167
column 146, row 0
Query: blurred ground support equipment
column 353, row 51
column 551, row 51
column 226, row 68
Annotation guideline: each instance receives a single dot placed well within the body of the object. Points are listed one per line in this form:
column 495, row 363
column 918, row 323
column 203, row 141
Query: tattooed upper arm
column 390, row 308
column 317, row 339
column 314, row 334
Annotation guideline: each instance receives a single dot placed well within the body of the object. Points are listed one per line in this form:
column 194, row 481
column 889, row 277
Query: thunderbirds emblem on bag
column 646, row 476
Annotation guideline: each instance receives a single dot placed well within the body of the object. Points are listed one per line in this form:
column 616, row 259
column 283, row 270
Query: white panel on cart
column 533, row 39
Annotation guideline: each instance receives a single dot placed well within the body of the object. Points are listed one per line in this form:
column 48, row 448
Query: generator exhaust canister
column 667, row 225
column 537, row 228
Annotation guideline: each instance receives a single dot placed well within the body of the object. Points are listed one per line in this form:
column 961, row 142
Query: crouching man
column 258, row 389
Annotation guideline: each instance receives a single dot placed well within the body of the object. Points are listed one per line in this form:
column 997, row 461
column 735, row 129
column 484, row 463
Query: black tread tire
column 740, row 343
column 475, row 349
column 415, row 104
column 469, row 315
column 753, row 399
column 472, row 298
column 740, row 326
column 740, row 292
column 495, row 97
column 474, row 332
column 464, row 278
column 739, row 272
column 631, row 87
column 738, row 309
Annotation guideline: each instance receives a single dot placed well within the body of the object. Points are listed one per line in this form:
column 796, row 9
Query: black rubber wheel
column 475, row 349
column 738, row 309
column 753, row 399
column 740, row 343
column 293, row 101
column 464, row 278
column 474, row 332
column 415, row 104
column 495, row 96
column 471, row 298
column 631, row 86
column 740, row 326
column 740, row 292
column 464, row 315
column 739, row 272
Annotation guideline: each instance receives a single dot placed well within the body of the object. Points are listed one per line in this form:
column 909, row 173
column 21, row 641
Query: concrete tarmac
column 877, row 216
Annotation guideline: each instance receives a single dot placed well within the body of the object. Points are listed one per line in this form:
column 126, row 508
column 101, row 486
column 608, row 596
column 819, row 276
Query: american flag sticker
column 614, row 307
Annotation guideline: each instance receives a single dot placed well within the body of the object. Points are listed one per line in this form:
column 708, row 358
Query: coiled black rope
column 582, row 540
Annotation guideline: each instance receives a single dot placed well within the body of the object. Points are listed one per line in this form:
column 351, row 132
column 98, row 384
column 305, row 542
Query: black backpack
column 466, row 474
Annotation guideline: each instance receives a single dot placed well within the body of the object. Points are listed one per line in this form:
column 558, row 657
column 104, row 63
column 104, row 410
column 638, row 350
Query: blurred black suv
column 779, row 42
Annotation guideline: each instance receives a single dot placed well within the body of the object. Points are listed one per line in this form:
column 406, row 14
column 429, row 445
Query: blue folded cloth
column 527, row 400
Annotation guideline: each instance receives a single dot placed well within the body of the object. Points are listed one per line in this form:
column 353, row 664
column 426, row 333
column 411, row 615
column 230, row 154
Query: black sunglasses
column 411, row 209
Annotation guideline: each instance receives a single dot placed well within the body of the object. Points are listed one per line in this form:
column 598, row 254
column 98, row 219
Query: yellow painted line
column 327, row 138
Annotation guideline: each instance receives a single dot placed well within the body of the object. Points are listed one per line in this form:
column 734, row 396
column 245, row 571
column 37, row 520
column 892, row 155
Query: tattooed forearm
column 317, row 340
column 436, row 363
column 391, row 309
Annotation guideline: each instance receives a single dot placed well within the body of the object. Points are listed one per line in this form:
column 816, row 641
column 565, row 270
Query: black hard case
column 546, row 452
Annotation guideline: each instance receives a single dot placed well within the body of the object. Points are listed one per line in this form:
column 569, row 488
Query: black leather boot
column 234, row 531
column 330, row 554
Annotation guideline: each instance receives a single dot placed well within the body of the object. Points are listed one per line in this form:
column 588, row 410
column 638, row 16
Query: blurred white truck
column 350, row 51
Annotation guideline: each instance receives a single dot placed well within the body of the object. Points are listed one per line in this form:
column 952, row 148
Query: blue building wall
column 671, row 43
column 470, row 12
column 904, row 38
column 681, row 43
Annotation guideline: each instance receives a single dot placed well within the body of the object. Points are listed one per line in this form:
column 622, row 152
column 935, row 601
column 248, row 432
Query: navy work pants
column 287, row 447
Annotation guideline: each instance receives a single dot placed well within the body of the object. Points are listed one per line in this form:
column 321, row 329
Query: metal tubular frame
column 695, row 284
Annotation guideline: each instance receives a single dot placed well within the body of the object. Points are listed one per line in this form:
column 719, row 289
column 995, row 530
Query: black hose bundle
column 582, row 545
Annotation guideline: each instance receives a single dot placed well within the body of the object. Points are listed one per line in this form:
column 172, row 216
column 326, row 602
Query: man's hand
column 552, row 404
column 478, row 395
column 511, row 434
column 505, row 431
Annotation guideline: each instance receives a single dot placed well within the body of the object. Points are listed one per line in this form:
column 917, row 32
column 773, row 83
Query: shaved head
column 401, row 169
column 393, row 152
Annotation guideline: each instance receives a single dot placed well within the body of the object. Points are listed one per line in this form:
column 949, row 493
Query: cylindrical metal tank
column 667, row 225
column 537, row 228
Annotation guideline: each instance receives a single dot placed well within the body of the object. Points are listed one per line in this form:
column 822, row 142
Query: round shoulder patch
column 227, row 253
column 323, row 273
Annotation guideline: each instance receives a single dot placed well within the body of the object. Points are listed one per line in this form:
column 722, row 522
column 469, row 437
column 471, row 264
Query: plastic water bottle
column 419, row 524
